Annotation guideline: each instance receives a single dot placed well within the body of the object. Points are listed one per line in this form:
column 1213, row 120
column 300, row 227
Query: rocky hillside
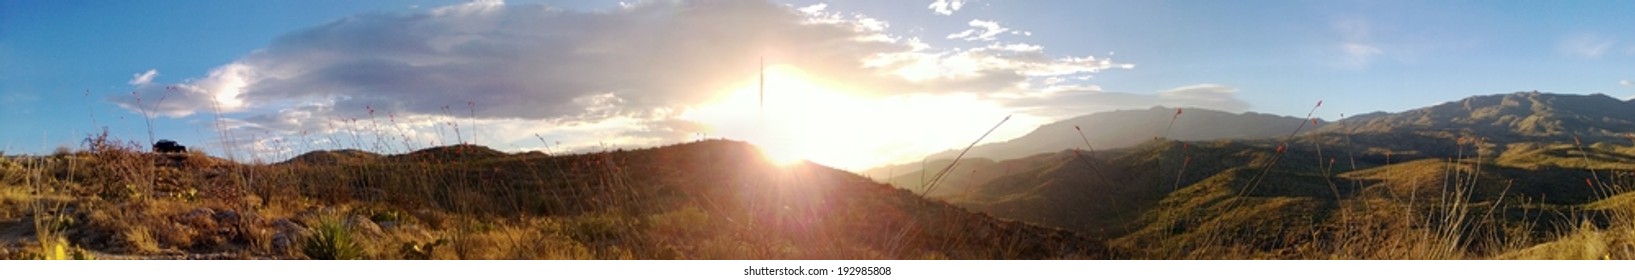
column 702, row 200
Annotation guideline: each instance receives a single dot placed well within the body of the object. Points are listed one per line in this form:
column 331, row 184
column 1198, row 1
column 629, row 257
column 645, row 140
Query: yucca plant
column 332, row 240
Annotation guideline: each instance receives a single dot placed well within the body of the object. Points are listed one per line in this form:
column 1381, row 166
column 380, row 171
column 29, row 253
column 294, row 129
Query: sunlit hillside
column 848, row 131
column 703, row 200
column 1438, row 191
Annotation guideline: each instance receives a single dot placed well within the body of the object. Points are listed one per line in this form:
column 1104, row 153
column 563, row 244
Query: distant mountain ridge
column 1103, row 131
column 1509, row 154
column 1124, row 128
column 1492, row 124
column 1521, row 116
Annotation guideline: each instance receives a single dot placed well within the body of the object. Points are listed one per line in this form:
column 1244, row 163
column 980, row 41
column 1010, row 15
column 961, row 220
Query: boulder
column 363, row 226
column 286, row 233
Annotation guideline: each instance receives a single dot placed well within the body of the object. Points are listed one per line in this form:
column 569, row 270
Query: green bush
column 332, row 239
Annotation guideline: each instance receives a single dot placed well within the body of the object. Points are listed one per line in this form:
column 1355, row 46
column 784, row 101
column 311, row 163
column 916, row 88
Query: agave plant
column 332, row 240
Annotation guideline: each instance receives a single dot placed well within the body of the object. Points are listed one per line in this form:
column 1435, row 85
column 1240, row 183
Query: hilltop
column 1521, row 116
column 702, row 200
column 1523, row 175
column 333, row 157
column 1100, row 131
column 1532, row 119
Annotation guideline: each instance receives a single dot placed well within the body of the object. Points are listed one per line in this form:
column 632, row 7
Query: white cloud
column 220, row 90
column 981, row 30
column 946, row 7
column 992, row 68
column 1019, row 47
column 144, row 77
column 1585, row 45
column 1214, row 96
column 1627, row 83
column 813, row 9
column 1360, row 54
column 1356, row 45
column 872, row 27
column 516, row 70
column 1072, row 101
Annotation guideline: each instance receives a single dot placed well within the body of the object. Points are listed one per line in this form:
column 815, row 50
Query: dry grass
column 720, row 200
column 709, row 200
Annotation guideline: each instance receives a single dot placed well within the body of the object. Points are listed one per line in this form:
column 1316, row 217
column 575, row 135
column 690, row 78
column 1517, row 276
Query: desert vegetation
column 1320, row 192
column 1452, row 181
column 704, row 200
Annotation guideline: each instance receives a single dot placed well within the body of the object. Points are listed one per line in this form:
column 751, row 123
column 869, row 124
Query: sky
column 850, row 84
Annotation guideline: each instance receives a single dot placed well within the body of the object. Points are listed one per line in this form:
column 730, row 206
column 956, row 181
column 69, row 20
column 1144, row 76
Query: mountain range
column 1482, row 173
column 1510, row 176
column 1124, row 128
column 1097, row 131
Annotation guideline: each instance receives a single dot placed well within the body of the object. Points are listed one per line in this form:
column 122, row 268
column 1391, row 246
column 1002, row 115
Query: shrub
column 599, row 228
column 332, row 239
column 685, row 224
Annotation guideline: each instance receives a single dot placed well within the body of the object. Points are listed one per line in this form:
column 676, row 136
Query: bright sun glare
column 806, row 118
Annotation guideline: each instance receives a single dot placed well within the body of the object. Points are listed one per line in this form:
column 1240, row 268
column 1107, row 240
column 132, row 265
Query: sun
column 782, row 156
column 807, row 118
column 798, row 119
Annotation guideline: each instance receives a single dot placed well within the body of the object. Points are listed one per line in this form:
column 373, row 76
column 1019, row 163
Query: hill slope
column 702, row 200
column 1437, row 181
column 1124, row 128
column 1501, row 120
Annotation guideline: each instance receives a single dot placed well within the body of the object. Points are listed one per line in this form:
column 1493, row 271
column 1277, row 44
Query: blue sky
column 69, row 67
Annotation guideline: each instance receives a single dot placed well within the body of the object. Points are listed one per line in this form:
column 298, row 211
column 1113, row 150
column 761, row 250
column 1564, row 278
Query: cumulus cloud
column 532, row 62
column 994, row 68
column 537, row 69
column 1074, row 101
column 814, row 8
column 981, row 30
column 144, row 77
column 1585, row 45
column 219, row 90
column 946, row 7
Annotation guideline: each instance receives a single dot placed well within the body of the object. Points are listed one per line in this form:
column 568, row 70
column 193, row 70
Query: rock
column 288, row 226
column 201, row 211
column 228, row 217
column 388, row 225
column 286, row 233
column 199, row 218
column 416, row 232
column 363, row 225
